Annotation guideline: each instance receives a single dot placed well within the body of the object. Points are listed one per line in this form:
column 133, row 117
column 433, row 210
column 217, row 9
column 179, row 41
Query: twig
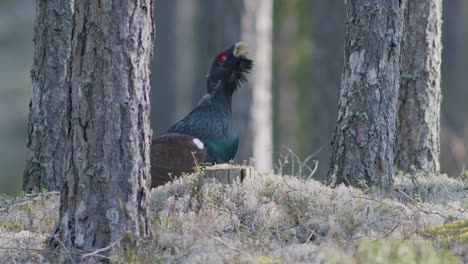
column 414, row 203
column 228, row 246
column 312, row 233
column 391, row 231
column 377, row 201
column 94, row 253
column 462, row 172
column 66, row 249
column 21, row 248
column 41, row 194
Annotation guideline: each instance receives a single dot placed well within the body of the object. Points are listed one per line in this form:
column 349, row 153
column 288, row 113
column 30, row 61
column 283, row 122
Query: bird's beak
column 240, row 49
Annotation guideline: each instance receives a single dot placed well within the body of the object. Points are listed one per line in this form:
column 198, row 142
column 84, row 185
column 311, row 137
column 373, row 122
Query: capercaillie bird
column 207, row 134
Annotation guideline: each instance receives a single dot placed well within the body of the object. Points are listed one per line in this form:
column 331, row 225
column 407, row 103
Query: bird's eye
column 222, row 57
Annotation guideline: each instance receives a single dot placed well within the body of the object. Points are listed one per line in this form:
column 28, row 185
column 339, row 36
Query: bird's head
column 229, row 68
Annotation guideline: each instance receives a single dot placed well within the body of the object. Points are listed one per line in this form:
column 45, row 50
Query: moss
column 266, row 260
column 215, row 194
column 295, row 206
column 270, row 189
column 40, row 203
column 25, row 208
column 464, row 237
column 351, row 224
column 195, row 185
column 388, row 210
column 13, row 226
column 455, row 232
column 362, row 184
column 50, row 223
column 402, row 251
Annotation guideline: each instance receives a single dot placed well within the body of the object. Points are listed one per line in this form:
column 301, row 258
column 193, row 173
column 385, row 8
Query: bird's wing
column 172, row 154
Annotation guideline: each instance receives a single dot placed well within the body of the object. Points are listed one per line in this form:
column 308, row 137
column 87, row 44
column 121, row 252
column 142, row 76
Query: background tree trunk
column 285, row 99
column 108, row 143
column 363, row 141
column 185, row 57
column 328, row 34
column 164, row 74
column 292, row 79
column 454, row 143
column 174, row 72
column 418, row 144
column 258, row 23
column 48, row 118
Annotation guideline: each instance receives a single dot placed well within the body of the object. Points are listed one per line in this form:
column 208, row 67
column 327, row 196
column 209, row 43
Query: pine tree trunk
column 363, row 141
column 103, row 197
column 48, row 118
column 418, row 144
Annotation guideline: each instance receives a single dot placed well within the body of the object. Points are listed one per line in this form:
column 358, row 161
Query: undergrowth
column 274, row 219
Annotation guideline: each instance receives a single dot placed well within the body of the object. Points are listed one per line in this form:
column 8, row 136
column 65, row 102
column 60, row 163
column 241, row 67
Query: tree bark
column 103, row 197
column 363, row 141
column 48, row 118
column 418, row 144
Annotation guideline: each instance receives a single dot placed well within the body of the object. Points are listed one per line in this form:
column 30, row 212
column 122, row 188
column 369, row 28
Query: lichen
column 272, row 219
column 113, row 216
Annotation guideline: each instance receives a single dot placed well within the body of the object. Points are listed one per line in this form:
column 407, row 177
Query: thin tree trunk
column 48, row 118
column 103, row 197
column 418, row 144
column 363, row 142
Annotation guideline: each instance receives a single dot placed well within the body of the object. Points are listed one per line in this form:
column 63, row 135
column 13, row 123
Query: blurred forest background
column 308, row 39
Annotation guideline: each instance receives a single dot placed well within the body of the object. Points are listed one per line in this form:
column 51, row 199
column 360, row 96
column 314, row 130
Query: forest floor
column 273, row 219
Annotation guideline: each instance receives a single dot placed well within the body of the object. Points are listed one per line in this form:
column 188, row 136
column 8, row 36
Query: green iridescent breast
column 225, row 149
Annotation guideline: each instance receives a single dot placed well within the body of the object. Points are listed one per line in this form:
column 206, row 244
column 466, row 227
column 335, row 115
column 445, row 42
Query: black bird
column 207, row 134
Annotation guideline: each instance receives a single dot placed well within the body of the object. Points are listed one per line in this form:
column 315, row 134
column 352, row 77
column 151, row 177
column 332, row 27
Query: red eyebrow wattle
column 221, row 57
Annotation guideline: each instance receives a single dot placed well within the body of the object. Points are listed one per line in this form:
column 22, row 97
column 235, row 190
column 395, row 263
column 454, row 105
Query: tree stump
column 227, row 174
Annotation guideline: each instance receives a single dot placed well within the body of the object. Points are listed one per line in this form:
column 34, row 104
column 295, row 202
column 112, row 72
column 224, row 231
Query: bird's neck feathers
column 220, row 93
